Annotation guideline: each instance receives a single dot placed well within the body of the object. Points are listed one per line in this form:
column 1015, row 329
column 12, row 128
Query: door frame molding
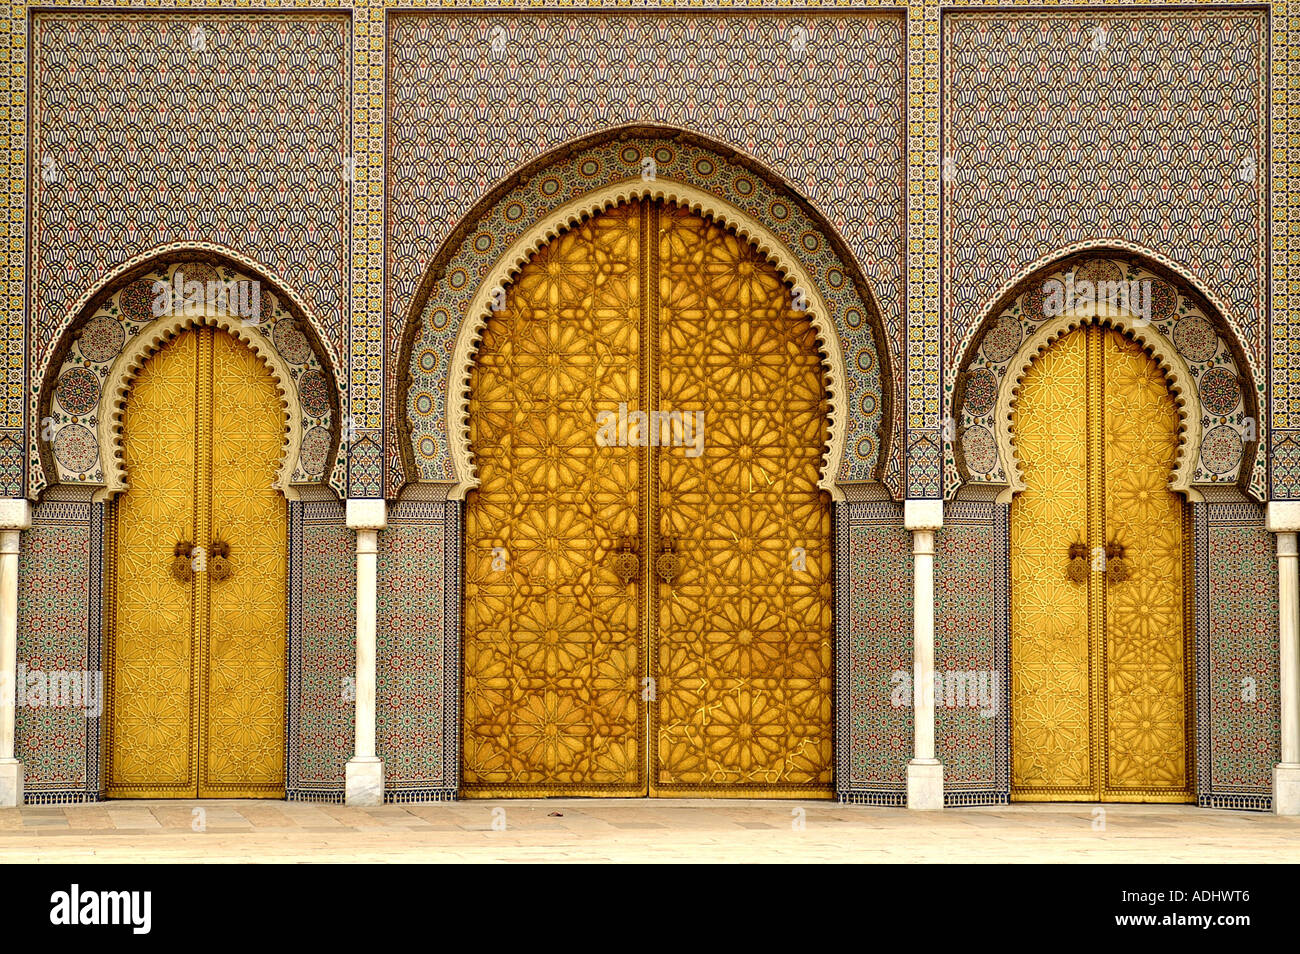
column 552, row 225
column 1178, row 377
column 152, row 339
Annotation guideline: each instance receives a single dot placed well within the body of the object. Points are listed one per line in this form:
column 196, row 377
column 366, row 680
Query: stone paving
column 597, row 830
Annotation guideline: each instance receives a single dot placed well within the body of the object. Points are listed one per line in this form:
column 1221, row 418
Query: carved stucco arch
column 1160, row 347
column 1158, row 262
column 457, row 270
column 550, row 227
column 156, row 334
column 152, row 339
column 1178, row 377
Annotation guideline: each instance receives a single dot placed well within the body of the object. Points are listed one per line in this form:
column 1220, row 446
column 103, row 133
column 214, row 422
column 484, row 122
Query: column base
column 364, row 781
column 925, row 785
column 11, row 783
column 1286, row 788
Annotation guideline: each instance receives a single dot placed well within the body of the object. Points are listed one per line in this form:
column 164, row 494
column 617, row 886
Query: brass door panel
column 579, row 681
column 197, row 653
column 1100, row 600
column 744, row 632
column 245, row 652
column 553, row 651
column 152, row 692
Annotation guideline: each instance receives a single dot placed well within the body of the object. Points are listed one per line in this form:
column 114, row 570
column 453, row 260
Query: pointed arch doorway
column 196, row 659
column 648, row 559
column 1101, row 588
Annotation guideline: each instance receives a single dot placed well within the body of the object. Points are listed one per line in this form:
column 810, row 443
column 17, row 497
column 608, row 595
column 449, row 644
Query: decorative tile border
column 1237, row 741
column 1059, row 127
column 972, row 634
column 873, row 641
column 418, row 659
column 60, row 574
column 322, row 649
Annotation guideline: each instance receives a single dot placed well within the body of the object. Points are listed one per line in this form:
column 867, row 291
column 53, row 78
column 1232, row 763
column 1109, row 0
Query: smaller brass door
column 197, row 647
column 1100, row 587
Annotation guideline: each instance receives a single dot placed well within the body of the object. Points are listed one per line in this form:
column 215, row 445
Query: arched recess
column 125, row 320
column 578, row 180
column 1221, row 426
column 505, row 270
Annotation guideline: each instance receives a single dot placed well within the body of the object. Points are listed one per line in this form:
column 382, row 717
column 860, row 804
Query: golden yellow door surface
column 647, row 602
column 744, row 631
column 1100, row 660
column 197, row 660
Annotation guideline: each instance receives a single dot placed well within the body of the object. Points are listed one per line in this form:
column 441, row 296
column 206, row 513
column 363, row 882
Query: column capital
column 1283, row 516
column 923, row 514
column 367, row 513
column 15, row 514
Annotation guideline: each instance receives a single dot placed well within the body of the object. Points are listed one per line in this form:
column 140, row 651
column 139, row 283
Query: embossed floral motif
column 136, row 301
column 1221, row 449
column 1002, row 339
column 981, row 391
column 101, row 338
column 314, row 392
column 76, row 449
column 1220, row 391
column 77, row 391
column 290, row 341
column 1195, row 337
column 980, row 449
column 315, row 449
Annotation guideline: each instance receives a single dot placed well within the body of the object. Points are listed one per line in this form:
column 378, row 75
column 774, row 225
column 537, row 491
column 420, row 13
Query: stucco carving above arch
column 154, row 338
column 529, row 208
column 549, row 228
column 83, row 393
column 1177, row 375
column 1219, row 403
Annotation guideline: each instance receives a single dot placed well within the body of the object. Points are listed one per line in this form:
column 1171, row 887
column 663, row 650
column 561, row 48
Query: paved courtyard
column 636, row 830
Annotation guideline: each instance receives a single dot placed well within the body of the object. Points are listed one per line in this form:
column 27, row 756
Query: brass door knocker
column 182, row 568
column 1117, row 563
column 219, row 567
column 668, row 564
column 1077, row 570
column 627, row 565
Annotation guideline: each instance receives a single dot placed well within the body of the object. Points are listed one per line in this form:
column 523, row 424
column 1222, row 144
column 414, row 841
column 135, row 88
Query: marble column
column 924, row 771
column 15, row 517
column 1284, row 521
column 365, row 771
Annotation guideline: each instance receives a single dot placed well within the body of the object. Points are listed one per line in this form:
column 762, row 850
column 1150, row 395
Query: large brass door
column 197, row 658
column 647, row 606
column 1100, row 661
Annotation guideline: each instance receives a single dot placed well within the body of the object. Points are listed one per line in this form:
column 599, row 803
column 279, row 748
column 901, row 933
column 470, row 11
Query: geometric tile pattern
column 418, row 654
column 1229, row 424
column 59, row 568
column 529, row 83
column 77, row 399
column 322, row 649
column 225, row 129
column 1146, row 128
column 1236, row 656
column 971, row 636
column 873, row 702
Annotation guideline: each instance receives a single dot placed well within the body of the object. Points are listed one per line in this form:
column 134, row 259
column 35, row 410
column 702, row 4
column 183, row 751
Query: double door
column 1100, row 586
column 196, row 662
column 648, row 562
